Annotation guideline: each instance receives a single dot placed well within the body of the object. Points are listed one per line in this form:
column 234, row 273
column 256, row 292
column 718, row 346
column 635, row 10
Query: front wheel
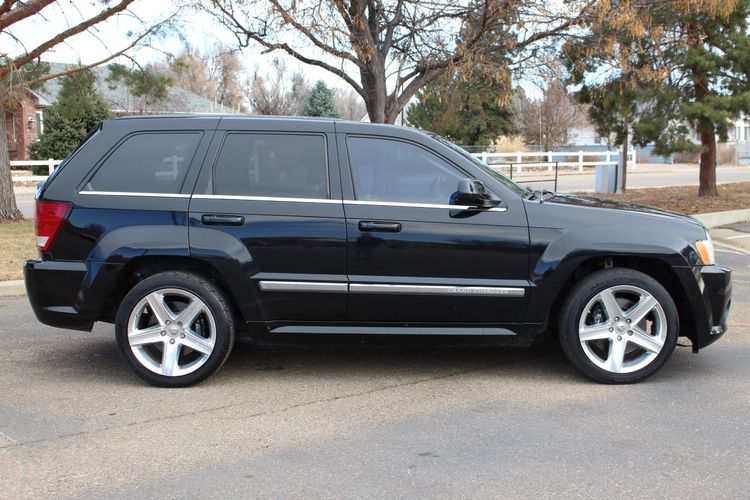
column 174, row 329
column 618, row 326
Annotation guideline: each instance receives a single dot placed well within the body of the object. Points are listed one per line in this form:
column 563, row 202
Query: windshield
column 476, row 161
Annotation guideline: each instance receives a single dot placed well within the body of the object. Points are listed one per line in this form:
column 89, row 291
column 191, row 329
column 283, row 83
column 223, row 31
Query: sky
column 200, row 31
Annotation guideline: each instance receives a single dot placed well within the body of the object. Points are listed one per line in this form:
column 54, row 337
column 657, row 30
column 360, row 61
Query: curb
column 717, row 219
column 12, row 288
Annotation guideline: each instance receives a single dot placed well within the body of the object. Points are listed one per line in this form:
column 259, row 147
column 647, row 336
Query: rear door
column 267, row 212
column 414, row 257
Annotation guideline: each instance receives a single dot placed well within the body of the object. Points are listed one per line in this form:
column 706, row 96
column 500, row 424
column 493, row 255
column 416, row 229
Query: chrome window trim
column 131, row 193
column 420, row 205
column 263, row 198
column 302, row 286
column 437, row 289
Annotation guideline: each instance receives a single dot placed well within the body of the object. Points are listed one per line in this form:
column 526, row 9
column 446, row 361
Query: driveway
column 364, row 418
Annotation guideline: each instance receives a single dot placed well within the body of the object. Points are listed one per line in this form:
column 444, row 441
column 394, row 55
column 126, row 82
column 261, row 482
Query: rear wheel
column 618, row 326
column 174, row 329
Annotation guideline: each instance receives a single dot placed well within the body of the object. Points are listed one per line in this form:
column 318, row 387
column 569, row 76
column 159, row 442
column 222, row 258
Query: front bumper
column 68, row 294
column 708, row 290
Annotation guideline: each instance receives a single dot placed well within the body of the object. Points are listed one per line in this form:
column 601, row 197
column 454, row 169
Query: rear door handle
column 387, row 227
column 223, row 220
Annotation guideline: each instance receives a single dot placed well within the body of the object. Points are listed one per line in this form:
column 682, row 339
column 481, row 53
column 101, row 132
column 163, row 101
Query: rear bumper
column 709, row 293
column 68, row 294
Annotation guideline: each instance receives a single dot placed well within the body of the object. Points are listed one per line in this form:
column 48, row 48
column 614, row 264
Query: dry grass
column 684, row 199
column 508, row 144
column 17, row 244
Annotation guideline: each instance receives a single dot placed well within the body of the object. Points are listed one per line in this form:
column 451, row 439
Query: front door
column 414, row 257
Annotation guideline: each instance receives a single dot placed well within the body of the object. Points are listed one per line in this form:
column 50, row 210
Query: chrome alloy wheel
column 622, row 329
column 171, row 332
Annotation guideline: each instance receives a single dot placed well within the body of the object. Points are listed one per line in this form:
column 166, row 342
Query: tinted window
column 147, row 163
column 288, row 166
column 389, row 170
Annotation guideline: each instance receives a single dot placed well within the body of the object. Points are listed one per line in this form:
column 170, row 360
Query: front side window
column 272, row 165
column 391, row 170
column 147, row 163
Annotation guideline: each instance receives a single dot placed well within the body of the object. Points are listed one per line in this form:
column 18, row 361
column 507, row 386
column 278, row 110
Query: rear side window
column 272, row 165
column 147, row 163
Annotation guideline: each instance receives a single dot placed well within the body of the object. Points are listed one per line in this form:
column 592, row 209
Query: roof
column 121, row 101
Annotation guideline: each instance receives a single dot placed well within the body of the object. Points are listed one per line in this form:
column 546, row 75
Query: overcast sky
column 200, row 31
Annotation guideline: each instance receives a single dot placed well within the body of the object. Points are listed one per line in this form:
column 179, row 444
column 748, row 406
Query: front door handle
column 223, row 220
column 387, row 227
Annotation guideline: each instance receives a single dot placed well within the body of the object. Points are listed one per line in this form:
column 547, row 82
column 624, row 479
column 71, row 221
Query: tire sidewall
column 204, row 291
column 579, row 297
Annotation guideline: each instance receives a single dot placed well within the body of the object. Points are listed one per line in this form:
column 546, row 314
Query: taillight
column 49, row 218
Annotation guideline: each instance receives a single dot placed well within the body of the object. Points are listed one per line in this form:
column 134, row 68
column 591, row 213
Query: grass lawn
column 685, row 200
column 17, row 243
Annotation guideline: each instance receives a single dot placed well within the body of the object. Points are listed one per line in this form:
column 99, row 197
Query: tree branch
column 22, row 11
column 79, row 28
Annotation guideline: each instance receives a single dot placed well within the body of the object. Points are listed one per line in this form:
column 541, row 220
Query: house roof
column 122, row 102
column 40, row 100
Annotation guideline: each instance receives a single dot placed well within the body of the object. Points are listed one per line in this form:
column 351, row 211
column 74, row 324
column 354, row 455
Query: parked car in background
column 186, row 232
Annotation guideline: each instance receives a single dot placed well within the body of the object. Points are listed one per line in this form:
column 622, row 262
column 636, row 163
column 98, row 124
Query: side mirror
column 472, row 193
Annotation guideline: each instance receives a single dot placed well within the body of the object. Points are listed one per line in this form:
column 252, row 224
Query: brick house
column 24, row 120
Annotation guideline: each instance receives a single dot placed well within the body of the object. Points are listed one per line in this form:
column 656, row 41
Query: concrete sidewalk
column 734, row 236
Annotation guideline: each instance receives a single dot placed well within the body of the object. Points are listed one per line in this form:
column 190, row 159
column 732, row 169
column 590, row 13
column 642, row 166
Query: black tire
column 223, row 327
column 585, row 291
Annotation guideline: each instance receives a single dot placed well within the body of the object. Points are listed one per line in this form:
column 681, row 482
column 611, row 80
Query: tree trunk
column 624, row 172
column 707, row 173
column 8, row 209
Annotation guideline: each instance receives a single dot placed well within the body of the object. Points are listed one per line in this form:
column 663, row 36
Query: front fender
column 556, row 254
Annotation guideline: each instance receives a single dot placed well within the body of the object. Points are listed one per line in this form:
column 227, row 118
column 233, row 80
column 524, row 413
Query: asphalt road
column 654, row 177
column 369, row 418
column 567, row 183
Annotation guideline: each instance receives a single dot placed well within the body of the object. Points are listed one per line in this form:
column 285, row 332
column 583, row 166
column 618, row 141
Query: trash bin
column 605, row 178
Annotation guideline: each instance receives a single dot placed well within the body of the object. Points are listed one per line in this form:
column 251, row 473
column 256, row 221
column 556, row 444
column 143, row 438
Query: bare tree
column 395, row 47
column 214, row 74
column 548, row 119
column 276, row 92
column 15, row 77
column 350, row 104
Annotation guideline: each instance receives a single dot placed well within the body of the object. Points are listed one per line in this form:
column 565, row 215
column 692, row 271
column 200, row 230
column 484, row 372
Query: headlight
column 706, row 251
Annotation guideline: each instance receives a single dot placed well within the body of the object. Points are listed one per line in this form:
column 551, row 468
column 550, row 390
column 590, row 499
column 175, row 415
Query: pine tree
column 470, row 110
column 78, row 108
column 690, row 63
column 321, row 102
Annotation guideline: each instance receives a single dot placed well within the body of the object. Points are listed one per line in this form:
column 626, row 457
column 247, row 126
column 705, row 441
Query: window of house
column 39, row 123
column 272, row 165
column 147, row 163
column 391, row 170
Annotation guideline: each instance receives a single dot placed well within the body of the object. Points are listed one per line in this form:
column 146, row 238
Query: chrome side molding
column 303, row 286
column 333, row 287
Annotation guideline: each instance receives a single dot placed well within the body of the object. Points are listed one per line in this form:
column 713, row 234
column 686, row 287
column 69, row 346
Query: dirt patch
column 685, row 199
column 17, row 243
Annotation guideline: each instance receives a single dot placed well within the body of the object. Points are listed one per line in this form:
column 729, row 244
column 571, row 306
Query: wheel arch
column 658, row 269
column 140, row 268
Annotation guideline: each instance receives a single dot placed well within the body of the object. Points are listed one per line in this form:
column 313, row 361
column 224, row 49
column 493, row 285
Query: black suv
column 187, row 231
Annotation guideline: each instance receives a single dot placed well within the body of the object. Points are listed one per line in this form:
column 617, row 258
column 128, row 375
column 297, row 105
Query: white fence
column 51, row 164
column 519, row 160
column 536, row 159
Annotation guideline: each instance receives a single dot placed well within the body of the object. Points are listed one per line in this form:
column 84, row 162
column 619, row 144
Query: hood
column 591, row 202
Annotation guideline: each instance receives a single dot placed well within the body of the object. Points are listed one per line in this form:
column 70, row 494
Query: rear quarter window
column 150, row 162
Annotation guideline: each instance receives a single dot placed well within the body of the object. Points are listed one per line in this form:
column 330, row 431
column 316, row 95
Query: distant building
column 25, row 117
column 24, row 120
